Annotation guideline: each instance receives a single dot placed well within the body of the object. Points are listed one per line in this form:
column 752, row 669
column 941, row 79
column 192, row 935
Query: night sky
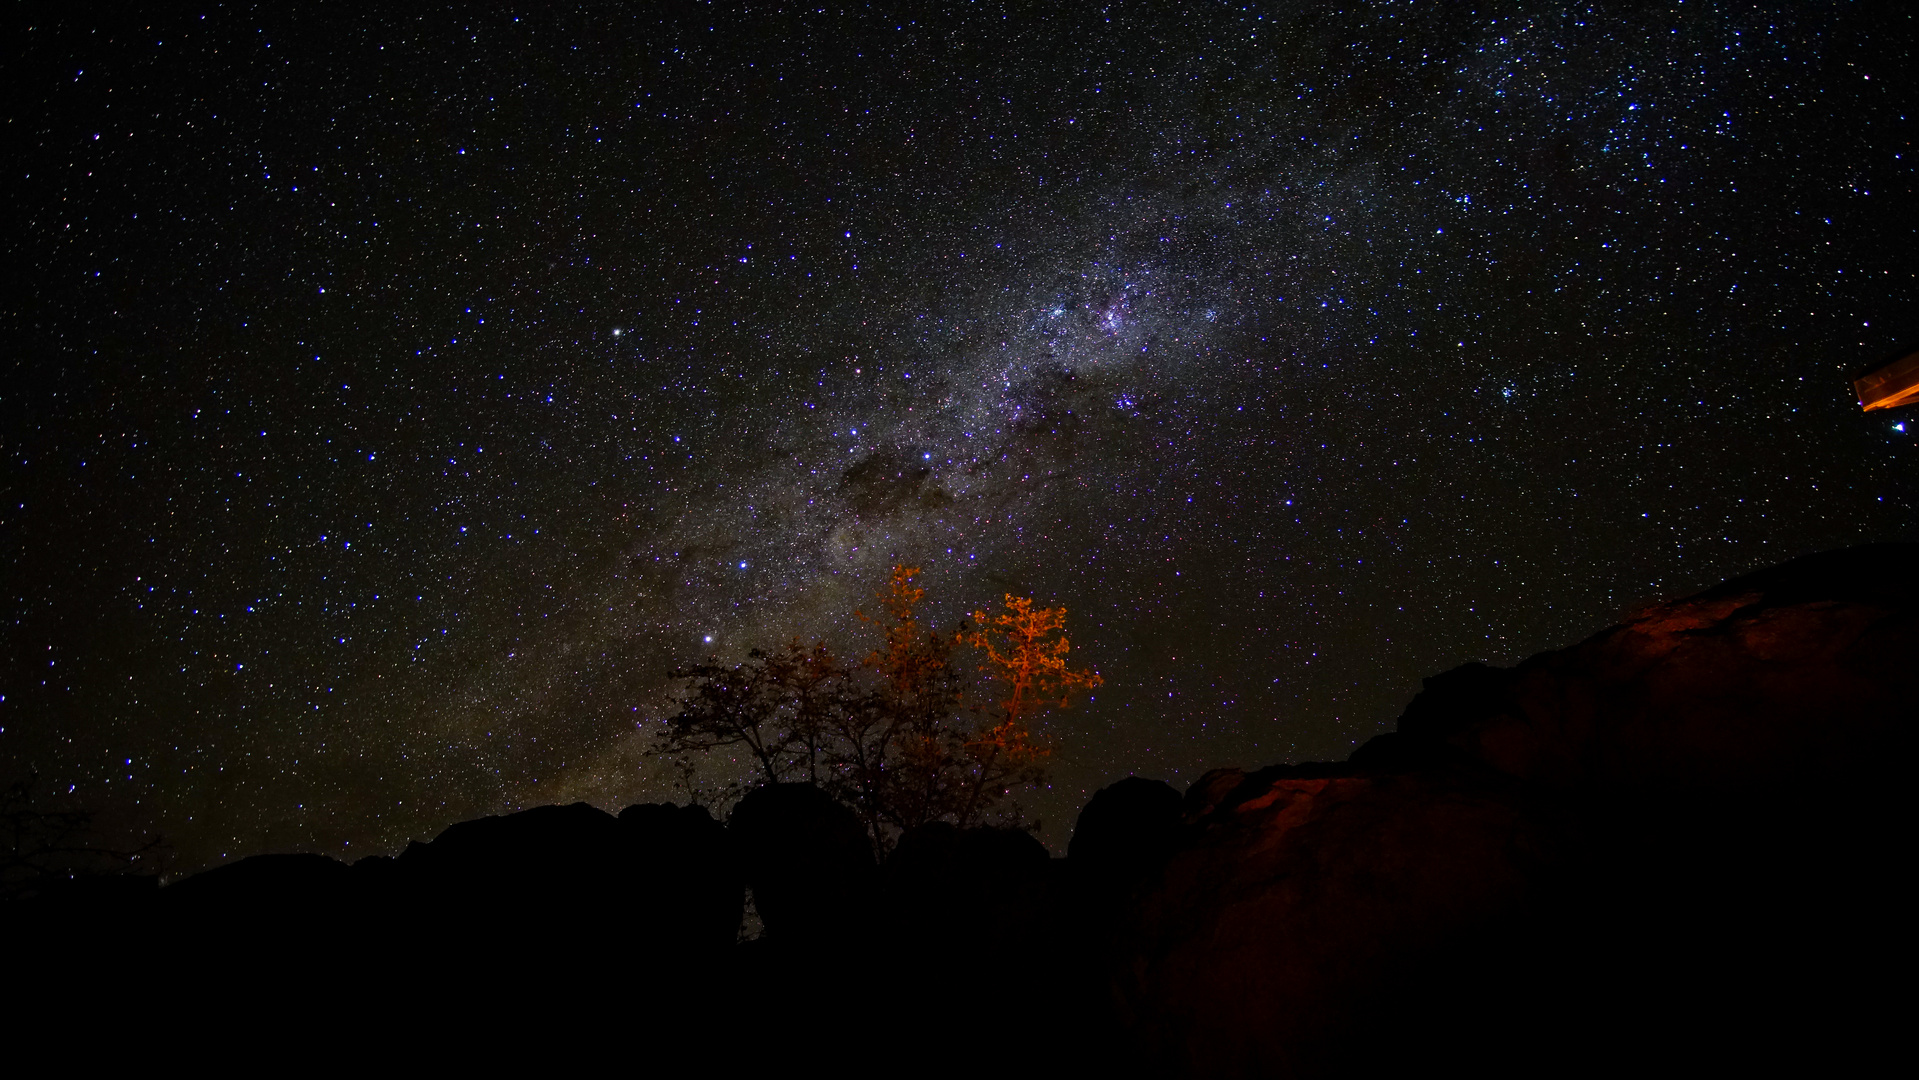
column 391, row 401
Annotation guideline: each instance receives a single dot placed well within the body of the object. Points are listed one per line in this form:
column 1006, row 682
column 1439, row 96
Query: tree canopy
column 906, row 736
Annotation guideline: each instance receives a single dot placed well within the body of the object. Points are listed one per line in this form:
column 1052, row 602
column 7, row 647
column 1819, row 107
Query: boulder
column 514, row 896
column 566, row 893
column 695, row 882
column 263, row 881
column 972, row 891
column 273, row 910
column 1126, row 828
column 808, row 861
column 554, row 920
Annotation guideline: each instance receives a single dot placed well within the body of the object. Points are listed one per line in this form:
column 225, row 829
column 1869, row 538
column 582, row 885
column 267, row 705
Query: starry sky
column 391, row 400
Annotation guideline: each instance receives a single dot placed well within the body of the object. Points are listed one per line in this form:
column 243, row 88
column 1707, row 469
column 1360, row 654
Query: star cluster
column 395, row 398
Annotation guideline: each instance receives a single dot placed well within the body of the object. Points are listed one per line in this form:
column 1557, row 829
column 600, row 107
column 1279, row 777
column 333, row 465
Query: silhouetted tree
column 776, row 707
column 902, row 748
column 43, row 847
column 809, row 688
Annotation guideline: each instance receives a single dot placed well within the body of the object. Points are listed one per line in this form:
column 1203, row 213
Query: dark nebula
column 394, row 397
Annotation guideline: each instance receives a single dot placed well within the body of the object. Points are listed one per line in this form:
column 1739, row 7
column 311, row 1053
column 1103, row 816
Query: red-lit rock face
column 1290, row 910
column 1722, row 691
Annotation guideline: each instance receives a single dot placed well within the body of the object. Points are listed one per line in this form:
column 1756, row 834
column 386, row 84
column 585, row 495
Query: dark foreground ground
column 1677, row 845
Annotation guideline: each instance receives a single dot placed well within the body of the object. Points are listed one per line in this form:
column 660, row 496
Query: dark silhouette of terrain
column 1674, row 842
column 1673, row 845
column 809, row 864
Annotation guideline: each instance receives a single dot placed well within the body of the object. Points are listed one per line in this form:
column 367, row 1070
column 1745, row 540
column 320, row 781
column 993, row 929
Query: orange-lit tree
column 898, row 738
column 1025, row 651
column 901, row 747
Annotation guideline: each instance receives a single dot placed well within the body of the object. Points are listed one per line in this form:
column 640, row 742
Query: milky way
column 394, row 401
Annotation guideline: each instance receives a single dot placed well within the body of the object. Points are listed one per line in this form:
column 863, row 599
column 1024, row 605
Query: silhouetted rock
column 929, row 849
column 561, row 895
column 695, row 882
column 1002, row 854
column 945, row 856
column 969, row 917
column 257, row 895
column 808, row 861
column 555, row 919
column 567, row 889
column 492, row 864
column 264, row 879
column 982, row 888
column 1127, row 828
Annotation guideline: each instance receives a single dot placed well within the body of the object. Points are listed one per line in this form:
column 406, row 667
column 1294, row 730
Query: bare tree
column 48, row 846
column 777, row 708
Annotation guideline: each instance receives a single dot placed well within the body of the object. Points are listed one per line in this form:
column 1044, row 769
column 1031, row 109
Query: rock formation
column 807, row 860
column 1659, row 838
column 1800, row 672
column 1126, row 830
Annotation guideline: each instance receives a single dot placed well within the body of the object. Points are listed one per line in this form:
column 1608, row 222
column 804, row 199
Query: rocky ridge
column 1675, row 838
